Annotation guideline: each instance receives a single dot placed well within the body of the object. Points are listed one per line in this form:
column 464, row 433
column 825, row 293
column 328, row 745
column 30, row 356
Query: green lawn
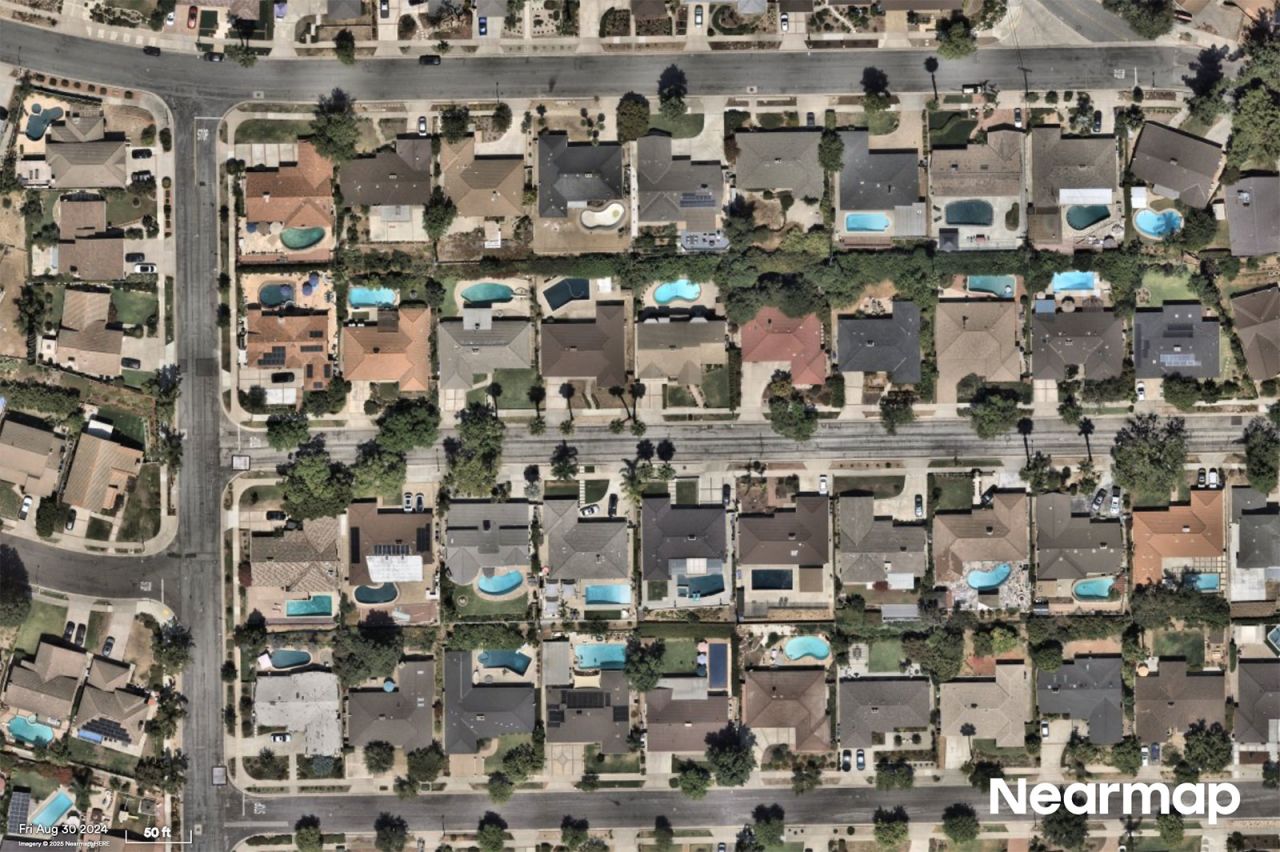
column 515, row 386
column 134, row 307
column 686, row 492
column 595, row 490
column 881, row 487
column 271, row 130
column 126, row 207
column 98, row 530
column 261, row 494
column 43, row 618
column 602, row 763
column 950, row 128
column 1167, row 287
column 885, row 654
column 677, row 396
column 479, row 607
column 39, row 785
column 679, row 656
column 1188, row 643
column 126, row 423
column 685, row 127
column 715, row 386
column 506, row 742
column 89, row 754
column 141, row 519
column 950, row 493
column 136, row 378
column 10, row 500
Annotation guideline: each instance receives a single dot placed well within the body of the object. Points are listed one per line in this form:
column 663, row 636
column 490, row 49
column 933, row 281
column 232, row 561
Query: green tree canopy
column 390, row 833
column 455, row 123
column 307, row 836
column 891, row 826
column 960, row 823
column 897, row 408
column 315, row 486
column 366, row 651
column 334, row 127
column 1208, row 748
column 475, row 455
column 955, row 39
column 993, row 411
column 377, row 470
column 344, row 46
column 1150, row 453
column 692, row 778
column 491, row 836
column 831, row 152
column 644, row 663
column 1261, row 455
column 286, row 431
column 790, row 415
column 731, row 753
column 379, row 756
column 438, row 214
column 408, row 424
column 769, row 825
column 426, row 764
column 1065, row 829
column 633, row 117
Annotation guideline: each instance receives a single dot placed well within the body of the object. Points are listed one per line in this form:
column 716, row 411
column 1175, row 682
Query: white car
column 422, row 125
column 785, row 21
column 697, row 16
column 26, row 508
column 408, row 501
column 1142, row 391
column 1213, row 477
column 824, row 485
column 170, row 18
column 1044, row 729
column 144, row 269
column 588, row 511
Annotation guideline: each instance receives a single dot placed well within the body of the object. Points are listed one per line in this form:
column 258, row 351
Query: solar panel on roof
column 1179, row 359
column 109, row 730
column 696, row 199
column 19, row 808
column 718, row 665
column 585, row 700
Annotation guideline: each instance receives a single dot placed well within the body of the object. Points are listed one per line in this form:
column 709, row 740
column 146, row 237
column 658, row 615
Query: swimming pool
column 615, row 593
column 274, row 295
column 512, row 661
column 706, row 585
column 771, row 579
column 371, row 297
column 1082, row 216
column 487, row 292
column 971, row 211
column 314, row 605
column 987, row 581
column 676, row 291
column 40, row 119
column 1073, row 280
column 53, row 811
column 385, row 593
column 1202, row 582
column 1093, row 588
column 500, row 584
column 289, row 658
column 799, row 647
column 30, row 730
column 1000, row 286
column 1155, row 225
column 301, row 238
column 601, row 655
column 866, row 222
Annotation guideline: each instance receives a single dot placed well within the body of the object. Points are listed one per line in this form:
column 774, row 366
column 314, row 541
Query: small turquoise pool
column 1074, row 280
column 856, row 223
column 371, row 297
column 312, row 606
column 986, row 581
column 615, row 593
column 53, row 811
column 385, row 593
column 1000, row 286
column 1082, row 216
column 1093, row 588
column 771, row 579
column 30, row 730
column 289, row 658
column 275, row 295
column 799, row 647
column 487, row 293
column 1155, row 225
column 500, row 584
column 301, row 238
column 705, row 586
column 40, row 119
column 680, row 290
column 601, row 655
column 512, row 661
column 1203, row 582
column 972, row 211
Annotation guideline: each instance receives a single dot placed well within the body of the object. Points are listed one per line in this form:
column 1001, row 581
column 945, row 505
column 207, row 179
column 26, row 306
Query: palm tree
column 537, row 395
column 494, row 391
column 931, row 65
column 666, row 450
column 968, row 730
column 564, row 462
column 618, row 393
column 567, row 391
column 1086, row 431
column 1024, row 429
column 637, row 393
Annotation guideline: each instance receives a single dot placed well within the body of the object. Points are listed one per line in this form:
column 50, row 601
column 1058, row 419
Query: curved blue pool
column 986, row 581
column 384, row 593
column 500, row 584
column 30, row 730
column 1065, row 282
column 512, row 661
column 1000, row 286
column 40, row 119
column 601, row 655
column 1155, row 225
column 856, row 223
column 296, row 239
column 680, row 290
column 275, row 294
column 371, row 297
column 799, row 647
column 289, row 658
column 487, row 292
column 614, row 593
column 1093, row 588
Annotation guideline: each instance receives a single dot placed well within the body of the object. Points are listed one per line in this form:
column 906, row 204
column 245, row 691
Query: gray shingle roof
column 576, row 173
column 982, row 169
column 1253, row 211
column 584, row 548
column 1172, row 699
column 872, row 548
column 404, row 718
column 1177, row 339
column 1178, row 165
column 1258, row 696
column 600, row 715
column 671, row 188
column 1092, row 341
column 1071, row 546
column 484, row 536
column 876, row 180
column 588, row 349
column 799, row 536
column 400, row 176
column 1257, row 317
column 1087, row 689
column 887, row 344
column 1069, row 162
column 1259, row 522
column 882, row 705
column 475, row 712
column 671, row 535
column 780, row 160
column 468, row 349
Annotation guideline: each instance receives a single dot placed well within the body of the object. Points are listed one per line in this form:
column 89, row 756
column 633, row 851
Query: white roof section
column 403, row 568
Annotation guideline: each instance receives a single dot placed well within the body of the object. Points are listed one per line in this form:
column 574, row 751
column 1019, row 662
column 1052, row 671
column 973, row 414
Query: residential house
column 872, row 709
column 1171, row 699
column 307, row 704
column 793, row 343
column 997, row 533
column 576, row 175
column 404, row 717
column 1185, row 538
column 81, row 154
column 485, row 537
column 1177, row 165
column 46, row 686
column 475, row 713
column 680, row 714
column 596, row 714
column 88, row 341
column 989, row 708
column 286, row 343
column 585, row 551
column 1068, row 171
column 880, row 181
column 1088, row 690
column 102, row 472
column 482, row 187
column 1176, row 339
column 478, row 344
column 976, row 338
column 780, row 161
column 1255, row 538
column 396, row 349
column 1253, row 209
column 293, row 198
column 386, row 545
column 1072, row 547
column 787, row 557
column 590, row 350
column 683, row 554
column 982, row 172
column 675, row 190
column 875, row 552
column 30, row 457
column 1257, row 323
column 395, row 185
column 1257, row 717
column 111, row 711
column 888, row 343
column 1086, row 344
column 87, row 249
column 304, row 559
column 680, row 351
column 788, row 705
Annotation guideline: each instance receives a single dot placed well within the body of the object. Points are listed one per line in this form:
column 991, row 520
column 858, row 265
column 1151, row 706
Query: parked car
column 1142, row 391
column 134, row 257
column 1115, row 501
column 81, row 629
column 1200, row 477
column 810, row 120
column 785, row 20
column 1213, row 477
column 588, row 511
column 971, row 88
column 26, row 507
column 824, row 485
column 108, row 646
column 1146, row 755
column 429, row 59
column 422, row 125
column 726, row 495
column 919, row 505
column 384, row 9
column 861, row 760
column 213, row 56
column 483, row 26
column 846, row 760
column 280, row 738
column 1044, row 729
column 276, row 516
column 697, row 16
column 131, row 363
column 170, row 18
column 144, row 269
column 1017, row 117
column 71, row 520
column 69, row 631
column 420, row 502
column 140, row 153
column 1155, row 752
column 152, row 50
column 193, row 15
column 283, row 377
column 1099, row 500
column 408, row 501
column 613, row 505
column 1097, row 121
column 721, row 848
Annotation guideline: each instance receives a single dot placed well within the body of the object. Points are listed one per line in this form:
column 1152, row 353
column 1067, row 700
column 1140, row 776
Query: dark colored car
column 69, row 631
column 726, row 495
column 80, row 631
column 211, row 56
column 1097, row 121
column 428, row 59
column 108, row 646
column 71, row 520
column 275, row 515
column 484, row 26
column 613, row 505
column 151, row 50
column 135, row 257
column 131, row 363
column 140, row 153
column 281, row 378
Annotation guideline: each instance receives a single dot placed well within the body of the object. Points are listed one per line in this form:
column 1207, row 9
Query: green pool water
column 301, row 238
column 1081, row 216
column 970, row 212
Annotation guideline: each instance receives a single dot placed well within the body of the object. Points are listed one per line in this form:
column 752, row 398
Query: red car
column 193, row 14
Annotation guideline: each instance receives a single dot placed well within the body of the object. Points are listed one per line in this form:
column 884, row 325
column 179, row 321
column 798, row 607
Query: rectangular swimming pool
column 312, row 606
column 772, row 579
column 601, row 655
column 614, row 593
column 53, row 811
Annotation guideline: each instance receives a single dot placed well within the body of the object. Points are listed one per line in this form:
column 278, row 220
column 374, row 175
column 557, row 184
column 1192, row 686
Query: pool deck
column 959, row 289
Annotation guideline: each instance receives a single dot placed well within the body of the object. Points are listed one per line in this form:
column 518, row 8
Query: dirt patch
column 14, row 263
column 129, row 120
column 139, row 650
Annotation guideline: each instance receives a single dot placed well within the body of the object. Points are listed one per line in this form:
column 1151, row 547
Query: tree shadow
column 672, row 82
column 1206, row 71
column 15, row 588
column 874, row 81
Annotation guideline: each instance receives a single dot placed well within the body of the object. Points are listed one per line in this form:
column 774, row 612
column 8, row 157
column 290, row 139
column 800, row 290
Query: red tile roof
column 774, row 336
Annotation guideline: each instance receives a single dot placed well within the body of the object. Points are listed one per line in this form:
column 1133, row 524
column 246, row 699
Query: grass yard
column 686, row 126
column 271, row 130
column 686, row 492
column 506, row 742
column 884, row 655
column 677, row 396
column 261, row 494
column 127, row 424
column 515, row 386
column 470, row 605
column 950, row 493
column 97, row 629
column 602, row 763
column 881, row 487
column 10, row 500
column 111, row 760
column 679, row 656
column 715, row 386
column 595, row 490
column 39, row 785
column 43, row 618
column 141, row 519
column 948, row 128
column 134, row 307
column 1187, row 643
column 98, row 530
column 1167, row 287
column 879, row 123
column 126, row 207
column 136, row 378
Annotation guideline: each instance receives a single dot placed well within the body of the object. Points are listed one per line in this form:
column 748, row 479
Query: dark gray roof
column 483, row 536
column 479, row 343
column 672, row 188
column 402, row 176
column 799, row 536
column 475, row 712
column 584, row 548
column 1177, row 164
column 876, row 180
column 872, row 548
column 600, row 715
column 1072, row 547
column 1253, row 211
column 672, row 535
column 1176, row 339
column 1259, row 523
column 1258, row 696
column 779, row 160
column 344, row 10
column 404, row 718
column 579, row 172
column 1087, row 689
column 587, row 349
column 1069, row 163
column 882, row 705
column 1092, row 341
column 1173, row 699
column 885, row 344
column 648, row 10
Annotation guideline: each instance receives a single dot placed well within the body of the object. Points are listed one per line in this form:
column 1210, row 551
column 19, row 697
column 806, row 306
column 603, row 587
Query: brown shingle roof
column 799, row 536
column 30, row 458
column 394, row 349
column 398, row 177
column 993, row 168
column 81, row 217
column 372, row 529
column 1258, row 324
column 997, row 708
column 98, row 258
column 789, row 698
column 297, row 195
column 976, row 337
column 1172, row 699
column 998, row 533
column 302, row 560
column 100, row 473
column 491, row 187
column 679, row 350
column 85, row 342
column 773, row 336
column 593, row 349
column 1177, row 164
column 681, row 725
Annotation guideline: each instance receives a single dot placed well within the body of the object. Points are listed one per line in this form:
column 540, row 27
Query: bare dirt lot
column 13, row 271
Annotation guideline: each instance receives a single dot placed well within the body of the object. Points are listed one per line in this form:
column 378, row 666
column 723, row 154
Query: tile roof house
column 588, row 349
column 477, row 344
column 1086, row 689
column 773, row 337
column 46, row 686
column 488, row 187
column 1068, row 170
column 404, row 717
column 876, row 550
column 82, row 155
column 576, row 175
column 1176, row 164
column 675, row 540
column 792, row 702
column 882, row 705
column 976, row 338
column 484, row 537
column 997, row 533
column 800, row 536
column 1257, row 545
column 1091, row 341
column 1175, row 340
column 1172, row 699
column 780, row 160
column 1257, row 323
column 386, row 545
column 296, row 195
column 389, row 178
column 102, row 472
column 1253, row 209
column 396, row 348
column 995, row 708
column 597, row 714
column 88, row 342
column 679, row 350
column 581, row 548
column 882, row 344
column 881, row 180
column 296, row 342
column 30, row 458
column 679, row 720
column 992, row 168
column 1177, row 537
column 307, row 704
column 305, row 559
column 476, row 712
column 1072, row 547
column 1257, row 718
column 674, row 189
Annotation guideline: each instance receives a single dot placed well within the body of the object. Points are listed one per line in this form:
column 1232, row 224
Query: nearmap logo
column 1208, row 800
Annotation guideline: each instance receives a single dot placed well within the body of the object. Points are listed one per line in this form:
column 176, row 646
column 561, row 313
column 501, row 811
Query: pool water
column 675, row 291
column 601, row 655
column 1155, row 225
column 1094, row 588
column 1065, row 282
column 512, row 661
column 1203, row 582
column 301, row 238
column 611, row 594
column 500, row 584
column 275, row 295
column 30, row 731
column 40, row 119
column 314, row 605
column 53, row 812
column 771, row 579
column 289, row 658
column 371, row 297
column 986, row 581
column 866, row 222
column 1000, row 286
column 385, row 593
column 799, row 647
column 487, row 292
column 706, row 585
column 970, row 212
column 1082, row 216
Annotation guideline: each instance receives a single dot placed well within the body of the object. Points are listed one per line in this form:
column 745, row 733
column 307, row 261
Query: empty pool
column 856, row 223
column 610, row 594
column 1082, row 216
column 312, row 606
column 371, row 297
column 800, row 647
column 274, row 295
column 385, row 593
column 486, row 293
column 1155, row 225
column 1000, row 286
column 1074, row 281
column 296, row 239
column 500, row 584
column 512, row 661
column 601, row 655
column 771, row 579
column 30, row 730
column 289, row 658
column 1093, row 589
column 972, row 211
column 53, row 811
column 681, row 290
column 987, row 581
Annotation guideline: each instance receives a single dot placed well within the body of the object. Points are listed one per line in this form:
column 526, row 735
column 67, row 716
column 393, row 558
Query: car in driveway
column 1213, row 477
column 108, row 646
column 193, row 15
column 81, row 629
column 68, row 631
column 1097, row 121
column 144, row 269
column 726, row 495
column 26, row 507
column 1200, row 477
column 135, row 257
column 1017, row 117
column 1115, row 501
column 1099, row 500
column 919, row 505
column 140, row 153
column 422, row 125
column 697, row 16
column 408, row 501
column 1146, row 755
column 483, row 26
column 613, row 505
column 280, row 738
column 785, row 21
column 846, row 760
column 420, row 502
column 276, row 516
column 1142, row 391
column 384, row 9
column 588, row 511
column 824, row 485
column 861, row 760
column 71, row 520
column 1155, row 752
column 1044, row 729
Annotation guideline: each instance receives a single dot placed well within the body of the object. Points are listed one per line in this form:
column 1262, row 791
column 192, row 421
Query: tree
column 242, row 54
column 790, row 414
column 51, row 516
column 500, row 787
column 806, row 775
column 307, row 836
column 1271, row 774
column 390, row 833
column 1047, row 656
column 171, row 708
column 769, row 826
column 491, row 836
column 166, row 772
column 831, row 152
column 377, row 470
column 1149, row 454
column 564, row 462
column 955, row 39
column 1126, row 755
column 993, row 412
column 1171, row 827
column 1261, row 455
column 673, row 86
column 643, row 666
column 573, row 833
column 408, row 424
column 875, row 90
column 983, row 772
column 15, row 588
column 1198, row 229
column 171, row 646
column 1255, row 127
column 501, row 121
column 1065, row 829
column 894, row 775
column 438, row 214
column 1207, row 748
column 334, row 128
column 897, row 409
column 1147, row 18
column 1070, row 410
column 692, row 779
column 344, row 47
column 379, row 756
column 960, row 823
column 633, row 117
column 315, row 486
column 366, row 651
column 475, row 455
column 426, row 764
column 891, row 826
column 455, row 122
column 731, row 753
column 664, row 836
